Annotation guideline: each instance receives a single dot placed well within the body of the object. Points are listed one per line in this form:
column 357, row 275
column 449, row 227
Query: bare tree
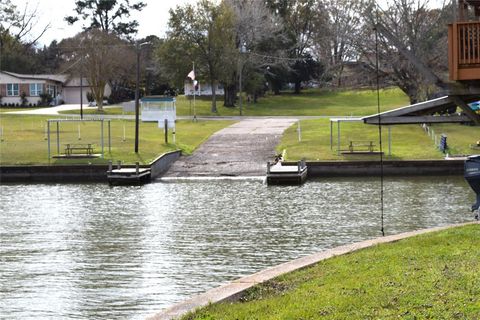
column 258, row 34
column 417, row 30
column 100, row 57
column 21, row 24
column 337, row 31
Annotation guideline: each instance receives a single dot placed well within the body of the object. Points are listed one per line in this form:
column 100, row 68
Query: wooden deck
column 464, row 50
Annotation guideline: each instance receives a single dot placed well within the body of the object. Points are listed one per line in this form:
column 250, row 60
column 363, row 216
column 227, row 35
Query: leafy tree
column 107, row 15
column 204, row 34
column 305, row 70
column 300, row 18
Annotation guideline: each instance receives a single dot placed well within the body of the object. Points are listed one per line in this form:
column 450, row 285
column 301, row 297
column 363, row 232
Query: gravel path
column 241, row 149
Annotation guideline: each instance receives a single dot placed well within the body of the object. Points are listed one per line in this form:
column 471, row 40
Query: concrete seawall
column 76, row 173
column 390, row 168
column 97, row 173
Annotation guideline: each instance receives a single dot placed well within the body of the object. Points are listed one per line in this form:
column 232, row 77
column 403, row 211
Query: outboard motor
column 472, row 175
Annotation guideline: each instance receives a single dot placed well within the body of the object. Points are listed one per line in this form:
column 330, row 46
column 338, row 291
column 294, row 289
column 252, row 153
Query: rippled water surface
column 96, row 252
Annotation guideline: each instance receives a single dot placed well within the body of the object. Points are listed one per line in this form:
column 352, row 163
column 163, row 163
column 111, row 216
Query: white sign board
column 170, row 122
column 159, row 109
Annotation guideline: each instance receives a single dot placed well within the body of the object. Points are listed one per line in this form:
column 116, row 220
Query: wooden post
column 299, row 132
column 338, row 138
column 166, row 130
column 137, row 167
column 109, row 137
column 331, row 134
column 390, row 140
column 268, row 167
column 119, row 164
column 101, row 134
column 110, row 165
column 58, row 138
column 48, row 139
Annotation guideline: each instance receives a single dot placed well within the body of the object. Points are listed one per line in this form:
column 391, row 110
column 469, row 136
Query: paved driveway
column 241, row 149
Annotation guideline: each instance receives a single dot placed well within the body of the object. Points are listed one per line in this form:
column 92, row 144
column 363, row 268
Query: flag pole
column 194, row 89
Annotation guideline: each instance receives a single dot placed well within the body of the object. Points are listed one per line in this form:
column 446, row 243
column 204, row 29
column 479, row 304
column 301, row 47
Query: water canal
column 96, row 252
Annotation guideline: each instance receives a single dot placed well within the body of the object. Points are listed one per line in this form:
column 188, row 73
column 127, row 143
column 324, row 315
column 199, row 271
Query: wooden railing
column 464, row 50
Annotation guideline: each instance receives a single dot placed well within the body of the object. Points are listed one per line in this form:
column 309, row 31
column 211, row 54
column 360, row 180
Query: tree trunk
column 98, row 92
column 214, row 97
column 230, row 95
column 275, row 88
column 298, row 87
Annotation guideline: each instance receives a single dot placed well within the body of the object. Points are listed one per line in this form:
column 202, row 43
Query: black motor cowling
column 472, row 175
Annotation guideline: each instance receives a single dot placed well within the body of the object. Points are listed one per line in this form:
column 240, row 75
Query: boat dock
column 279, row 174
column 128, row 176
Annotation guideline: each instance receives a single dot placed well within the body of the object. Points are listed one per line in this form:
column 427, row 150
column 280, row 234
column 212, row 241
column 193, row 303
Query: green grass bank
column 312, row 102
column 431, row 276
column 24, row 139
column 408, row 142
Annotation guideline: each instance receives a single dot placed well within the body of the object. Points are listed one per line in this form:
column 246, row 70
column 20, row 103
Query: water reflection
column 91, row 251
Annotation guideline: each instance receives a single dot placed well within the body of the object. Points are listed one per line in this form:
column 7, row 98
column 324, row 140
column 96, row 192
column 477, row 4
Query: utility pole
column 137, row 94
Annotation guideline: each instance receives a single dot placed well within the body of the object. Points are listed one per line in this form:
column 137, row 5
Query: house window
column 12, row 89
column 36, row 89
column 52, row 90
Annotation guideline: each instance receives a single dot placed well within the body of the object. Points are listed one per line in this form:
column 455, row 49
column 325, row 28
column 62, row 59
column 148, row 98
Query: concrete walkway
column 241, row 149
column 54, row 111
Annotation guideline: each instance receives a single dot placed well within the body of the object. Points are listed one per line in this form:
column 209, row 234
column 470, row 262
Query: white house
column 61, row 88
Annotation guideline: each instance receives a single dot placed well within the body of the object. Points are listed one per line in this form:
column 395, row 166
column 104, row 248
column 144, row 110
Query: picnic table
column 361, row 146
column 70, row 148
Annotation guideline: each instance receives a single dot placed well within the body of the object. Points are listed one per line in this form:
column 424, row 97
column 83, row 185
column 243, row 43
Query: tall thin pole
column 137, row 95
column 81, row 88
column 194, row 89
column 377, row 58
column 240, row 85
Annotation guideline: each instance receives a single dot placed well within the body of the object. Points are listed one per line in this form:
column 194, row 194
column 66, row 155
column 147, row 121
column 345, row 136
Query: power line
column 70, row 67
column 379, row 130
column 277, row 57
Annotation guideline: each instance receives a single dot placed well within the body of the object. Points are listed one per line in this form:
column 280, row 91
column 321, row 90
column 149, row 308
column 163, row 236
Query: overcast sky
column 152, row 19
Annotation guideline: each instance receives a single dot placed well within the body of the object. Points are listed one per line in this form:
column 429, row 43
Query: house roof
column 52, row 77
column 423, row 112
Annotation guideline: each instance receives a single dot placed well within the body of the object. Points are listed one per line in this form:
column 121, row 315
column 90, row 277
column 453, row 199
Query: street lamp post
column 81, row 88
column 243, row 49
column 137, row 94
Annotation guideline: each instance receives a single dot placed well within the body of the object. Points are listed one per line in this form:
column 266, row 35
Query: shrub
column 23, row 99
column 90, row 97
column 45, row 99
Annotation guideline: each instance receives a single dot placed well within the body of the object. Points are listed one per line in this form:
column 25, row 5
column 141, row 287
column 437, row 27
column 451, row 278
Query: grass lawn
column 408, row 141
column 431, row 276
column 312, row 102
column 459, row 138
column 24, row 139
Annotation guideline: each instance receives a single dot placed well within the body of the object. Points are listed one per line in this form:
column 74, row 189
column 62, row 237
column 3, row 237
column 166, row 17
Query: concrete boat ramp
column 242, row 149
